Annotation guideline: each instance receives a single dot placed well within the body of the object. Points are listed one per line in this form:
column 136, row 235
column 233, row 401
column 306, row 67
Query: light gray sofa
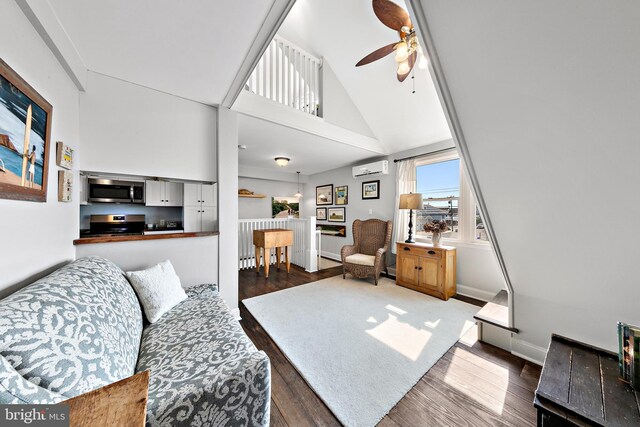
column 82, row 328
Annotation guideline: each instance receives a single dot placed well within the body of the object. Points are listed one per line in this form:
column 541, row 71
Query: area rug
column 361, row 347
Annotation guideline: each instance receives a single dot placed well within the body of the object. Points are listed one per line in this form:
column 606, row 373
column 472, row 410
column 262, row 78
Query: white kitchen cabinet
column 192, row 194
column 208, row 195
column 173, row 193
column 192, row 221
column 84, row 189
column 200, row 208
column 200, row 194
column 163, row 193
column 209, row 216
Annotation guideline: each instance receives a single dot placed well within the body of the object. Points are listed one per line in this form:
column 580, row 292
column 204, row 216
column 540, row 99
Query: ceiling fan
column 407, row 49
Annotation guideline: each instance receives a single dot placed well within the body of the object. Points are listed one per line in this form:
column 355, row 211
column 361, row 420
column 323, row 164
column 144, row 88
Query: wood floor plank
column 465, row 388
column 505, row 382
column 416, row 409
column 491, row 372
column 286, row 401
column 276, row 419
column 512, row 408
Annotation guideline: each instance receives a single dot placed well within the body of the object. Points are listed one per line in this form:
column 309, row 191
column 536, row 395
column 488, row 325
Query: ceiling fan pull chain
column 413, row 82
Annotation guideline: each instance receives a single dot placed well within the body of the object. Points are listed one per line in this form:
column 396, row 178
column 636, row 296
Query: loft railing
column 302, row 253
column 288, row 75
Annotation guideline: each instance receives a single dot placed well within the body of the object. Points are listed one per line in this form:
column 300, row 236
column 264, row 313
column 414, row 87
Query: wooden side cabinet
column 427, row 268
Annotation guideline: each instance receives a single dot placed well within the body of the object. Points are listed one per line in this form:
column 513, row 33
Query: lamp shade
column 411, row 201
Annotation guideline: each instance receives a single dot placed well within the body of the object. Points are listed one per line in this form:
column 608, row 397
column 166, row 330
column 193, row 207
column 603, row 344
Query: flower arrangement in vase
column 436, row 228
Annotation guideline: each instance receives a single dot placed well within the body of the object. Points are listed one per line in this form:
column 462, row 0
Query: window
column 448, row 197
column 481, row 232
column 439, row 183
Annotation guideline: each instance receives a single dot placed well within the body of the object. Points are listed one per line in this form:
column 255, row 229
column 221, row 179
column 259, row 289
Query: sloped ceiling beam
column 270, row 26
column 45, row 21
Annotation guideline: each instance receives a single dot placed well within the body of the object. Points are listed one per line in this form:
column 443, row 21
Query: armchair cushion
column 361, row 259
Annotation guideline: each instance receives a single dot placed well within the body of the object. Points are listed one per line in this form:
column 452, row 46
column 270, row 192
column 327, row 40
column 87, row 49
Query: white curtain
column 405, row 183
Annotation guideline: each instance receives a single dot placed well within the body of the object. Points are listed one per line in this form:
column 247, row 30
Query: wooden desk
column 579, row 386
column 272, row 238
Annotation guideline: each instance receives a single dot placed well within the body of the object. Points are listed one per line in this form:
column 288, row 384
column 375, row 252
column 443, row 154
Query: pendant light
column 298, row 194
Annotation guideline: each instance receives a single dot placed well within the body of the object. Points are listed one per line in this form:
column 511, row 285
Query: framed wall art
column 65, row 186
column 333, row 230
column 324, row 194
column 285, row 207
column 321, row 214
column 64, row 155
column 25, row 127
column 336, row 214
column 371, row 190
column 342, row 195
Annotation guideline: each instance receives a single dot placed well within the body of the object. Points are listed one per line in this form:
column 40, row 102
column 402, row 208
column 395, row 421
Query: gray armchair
column 367, row 256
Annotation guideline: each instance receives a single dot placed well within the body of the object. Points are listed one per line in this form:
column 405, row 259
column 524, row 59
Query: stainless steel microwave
column 115, row 191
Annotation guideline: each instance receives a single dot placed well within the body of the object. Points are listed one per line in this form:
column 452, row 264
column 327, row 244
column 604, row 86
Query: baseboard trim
column 476, row 293
column 330, row 255
column 527, row 351
column 236, row 314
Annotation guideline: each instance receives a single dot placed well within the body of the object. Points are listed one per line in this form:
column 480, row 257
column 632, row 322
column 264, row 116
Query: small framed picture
column 336, row 214
column 64, row 155
column 324, row 194
column 371, row 190
column 321, row 214
column 65, row 186
column 342, row 195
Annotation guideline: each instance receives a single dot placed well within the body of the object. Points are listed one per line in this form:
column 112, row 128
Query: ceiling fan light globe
column 402, row 52
column 403, row 67
column 423, row 63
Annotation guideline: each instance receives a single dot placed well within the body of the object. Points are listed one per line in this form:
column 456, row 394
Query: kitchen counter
column 110, row 239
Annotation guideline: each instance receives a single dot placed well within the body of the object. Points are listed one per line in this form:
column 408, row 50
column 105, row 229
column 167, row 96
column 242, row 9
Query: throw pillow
column 158, row 288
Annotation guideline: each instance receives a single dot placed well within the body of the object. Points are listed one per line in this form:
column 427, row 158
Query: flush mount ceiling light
column 408, row 50
column 282, row 161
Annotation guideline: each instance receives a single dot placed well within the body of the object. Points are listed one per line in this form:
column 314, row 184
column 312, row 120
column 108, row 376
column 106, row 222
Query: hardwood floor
column 474, row 384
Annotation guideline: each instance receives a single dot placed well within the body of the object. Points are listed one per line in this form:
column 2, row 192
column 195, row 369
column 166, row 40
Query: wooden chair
column 367, row 256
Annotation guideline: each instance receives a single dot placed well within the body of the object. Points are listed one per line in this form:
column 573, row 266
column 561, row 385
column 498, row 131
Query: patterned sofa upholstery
column 81, row 328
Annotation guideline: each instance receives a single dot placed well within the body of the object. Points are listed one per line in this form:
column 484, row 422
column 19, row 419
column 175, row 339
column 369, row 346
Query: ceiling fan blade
column 391, row 15
column 412, row 62
column 377, row 54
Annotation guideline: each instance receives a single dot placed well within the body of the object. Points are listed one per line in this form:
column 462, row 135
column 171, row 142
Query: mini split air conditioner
column 375, row 168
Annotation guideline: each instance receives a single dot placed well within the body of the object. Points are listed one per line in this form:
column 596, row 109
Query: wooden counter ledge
column 88, row 240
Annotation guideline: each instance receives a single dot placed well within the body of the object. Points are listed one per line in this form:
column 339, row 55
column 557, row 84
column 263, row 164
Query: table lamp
column 410, row 201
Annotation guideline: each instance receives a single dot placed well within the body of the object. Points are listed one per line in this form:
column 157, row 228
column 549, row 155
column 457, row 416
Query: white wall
column 478, row 272
column 134, row 130
column 249, row 208
column 194, row 258
column 228, row 204
column 37, row 237
column 546, row 93
column 338, row 107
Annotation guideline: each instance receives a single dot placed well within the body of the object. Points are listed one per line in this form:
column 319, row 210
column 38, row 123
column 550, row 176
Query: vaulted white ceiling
column 344, row 31
column 195, row 50
column 191, row 49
